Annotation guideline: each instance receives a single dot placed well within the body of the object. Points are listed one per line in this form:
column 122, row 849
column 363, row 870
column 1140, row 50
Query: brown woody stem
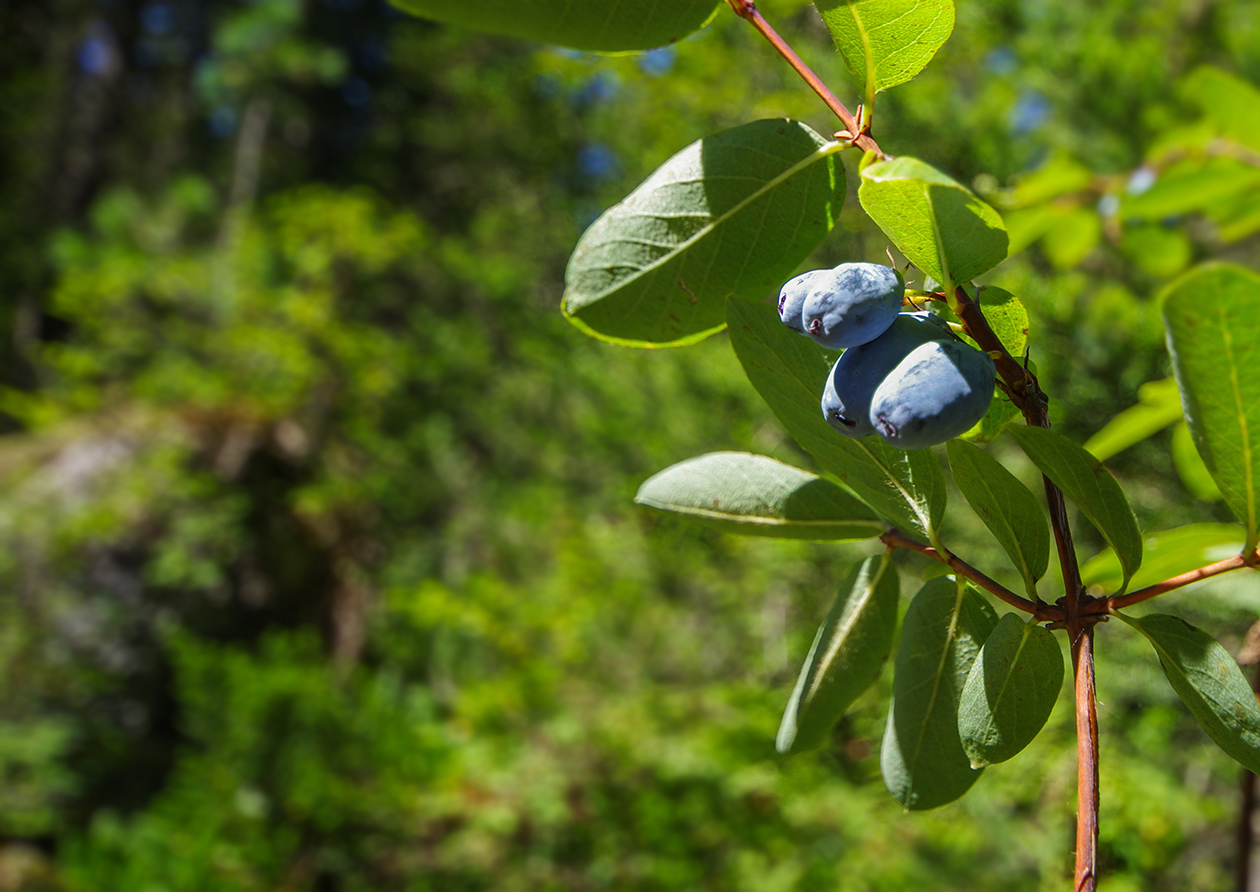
column 1086, row 758
column 1026, row 393
column 747, row 10
column 895, row 539
column 1118, row 602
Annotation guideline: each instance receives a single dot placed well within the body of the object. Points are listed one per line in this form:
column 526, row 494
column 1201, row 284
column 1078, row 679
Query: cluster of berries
column 902, row 376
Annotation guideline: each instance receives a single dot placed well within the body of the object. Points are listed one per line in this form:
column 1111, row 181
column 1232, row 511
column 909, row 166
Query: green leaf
column 942, row 228
column 1090, row 486
column 847, row 656
column 1195, row 185
column 789, row 372
column 1229, row 101
column 1072, row 237
column 1059, row 176
column 1190, row 467
column 583, row 25
column 1012, row 514
column 1167, row 554
column 922, row 758
column 887, row 42
column 1010, row 691
column 1214, row 338
column 1209, row 682
column 1026, row 225
column 1159, row 406
column 1234, row 220
column 758, row 496
column 730, row 215
column 1159, row 251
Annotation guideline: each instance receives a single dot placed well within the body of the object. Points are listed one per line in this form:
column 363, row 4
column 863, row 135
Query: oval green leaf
column 921, row 757
column 1214, row 339
column 1209, row 683
column 585, row 25
column 789, row 372
column 757, row 496
column 1167, row 554
column 887, row 42
column 1090, row 486
column 1012, row 514
column 1010, row 691
column 1229, row 101
column 1189, row 186
column 730, row 215
column 942, row 228
column 848, row 653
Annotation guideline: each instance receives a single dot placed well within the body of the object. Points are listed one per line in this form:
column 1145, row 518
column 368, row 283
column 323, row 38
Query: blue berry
column 846, row 400
column 938, row 391
column 852, row 304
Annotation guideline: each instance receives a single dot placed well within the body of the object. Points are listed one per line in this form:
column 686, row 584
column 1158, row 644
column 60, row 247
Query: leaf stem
column 895, row 539
column 1118, row 602
column 747, row 10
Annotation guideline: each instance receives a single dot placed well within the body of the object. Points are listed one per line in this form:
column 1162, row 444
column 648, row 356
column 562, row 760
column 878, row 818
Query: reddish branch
column 894, row 539
column 747, row 10
column 1117, row 602
column 1024, row 390
column 1086, row 759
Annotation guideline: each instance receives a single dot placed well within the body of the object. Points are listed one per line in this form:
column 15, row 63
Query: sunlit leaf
column 1071, row 237
column 1159, row 406
column 1229, row 101
column 848, row 653
column 1010, row 691
column 1209, row 682
column 1159, row 251
column 1025, row 225
column 940, row 226
column 887, row 42
column 1189, row 186
column 1012, row 514
column 731, row 215
column 757, row 496
column 790, row 372
column 1084, row 480
column 921, row 757
column 1213, row 328
column 583, row 25
column 1167, row 554
column 1059, row 176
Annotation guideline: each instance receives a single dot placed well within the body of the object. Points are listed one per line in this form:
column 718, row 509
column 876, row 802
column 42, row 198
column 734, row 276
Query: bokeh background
column 319, row 568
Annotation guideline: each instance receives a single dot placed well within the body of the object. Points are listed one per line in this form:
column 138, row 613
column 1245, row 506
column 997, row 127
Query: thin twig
column 747, row 10
column 895, row 539
column 1118, row 602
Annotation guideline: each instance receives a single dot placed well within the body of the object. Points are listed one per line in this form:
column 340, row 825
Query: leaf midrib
column 960, row 591
column 1243, row 431
column 768, row 186
column 842, row 633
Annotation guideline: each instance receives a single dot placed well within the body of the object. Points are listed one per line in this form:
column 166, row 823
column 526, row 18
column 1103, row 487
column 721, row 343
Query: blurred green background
column 318, row 560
